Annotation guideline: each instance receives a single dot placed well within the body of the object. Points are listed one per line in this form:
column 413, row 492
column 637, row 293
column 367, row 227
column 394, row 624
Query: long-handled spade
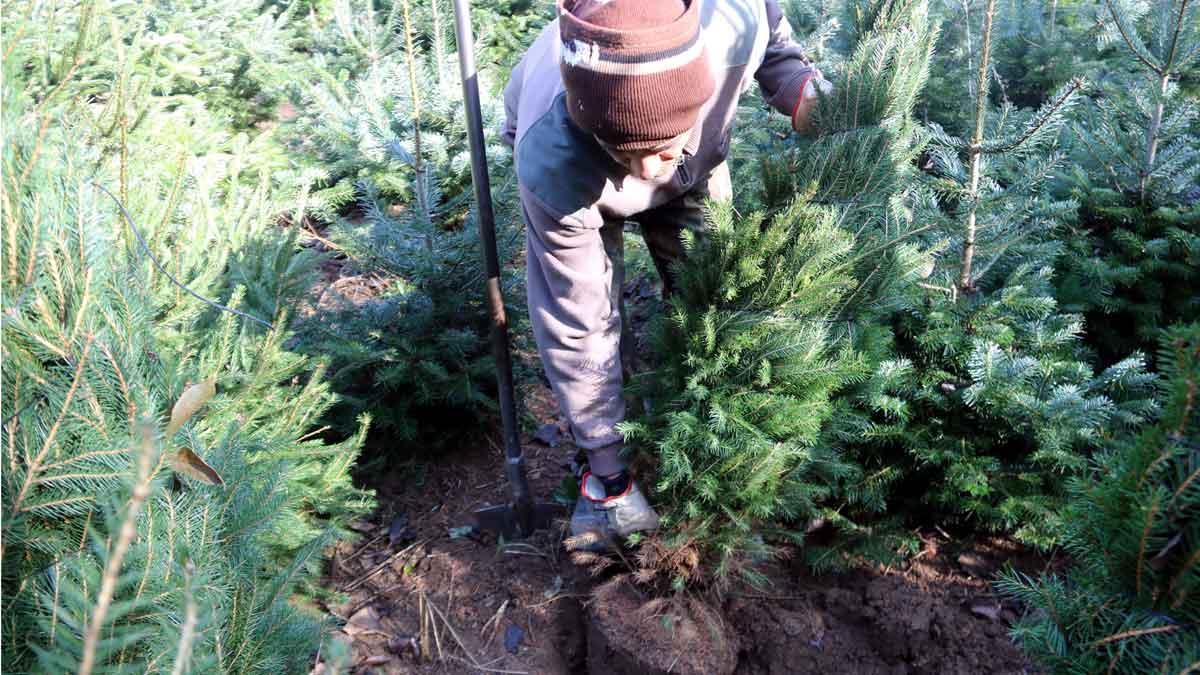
column 522, row 516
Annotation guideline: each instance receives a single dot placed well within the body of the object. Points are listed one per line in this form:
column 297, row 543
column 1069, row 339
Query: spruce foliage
column 1130, row 602
column 987, row 404
column 390, row 148
column 1134, row 265
column 1131, row 268
column 983, row 401
column 122, row 550
column 749, row 366
column 381, row 99
column 761, row 332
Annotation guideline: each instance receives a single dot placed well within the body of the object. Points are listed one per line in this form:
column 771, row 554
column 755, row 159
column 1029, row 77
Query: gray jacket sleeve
column 512, row 99
column 784, row 69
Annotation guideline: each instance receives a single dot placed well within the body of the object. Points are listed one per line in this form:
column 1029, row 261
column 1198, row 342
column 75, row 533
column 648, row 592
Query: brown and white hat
column 635, row 71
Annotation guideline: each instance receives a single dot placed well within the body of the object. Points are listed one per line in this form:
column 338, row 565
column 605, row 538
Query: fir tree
column 983, row 401
column 389, row 108
column 759, row 336
column 1130, row 602
column 1133, row 266
column 1037, row 48
column 142, row 533
column 985, row 406
column 415, row 356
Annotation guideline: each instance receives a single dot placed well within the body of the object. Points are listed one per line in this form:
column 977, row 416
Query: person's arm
column 785, row 72
column 512, row 99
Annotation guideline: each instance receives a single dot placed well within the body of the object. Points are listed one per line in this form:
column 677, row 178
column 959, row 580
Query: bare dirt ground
column 420, row 576
column 427, row 594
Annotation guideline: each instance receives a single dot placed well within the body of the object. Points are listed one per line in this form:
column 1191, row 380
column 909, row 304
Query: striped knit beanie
column 635, row 71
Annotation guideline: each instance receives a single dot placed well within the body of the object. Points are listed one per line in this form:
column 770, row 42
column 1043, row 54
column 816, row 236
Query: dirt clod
column 629, row 634
column 869, row 623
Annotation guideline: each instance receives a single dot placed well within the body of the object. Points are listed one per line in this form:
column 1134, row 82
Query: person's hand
column 801, row 120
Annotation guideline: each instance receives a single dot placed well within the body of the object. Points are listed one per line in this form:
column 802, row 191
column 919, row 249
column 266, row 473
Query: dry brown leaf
column 189, row 402
column 189, row 464
column 364, row 620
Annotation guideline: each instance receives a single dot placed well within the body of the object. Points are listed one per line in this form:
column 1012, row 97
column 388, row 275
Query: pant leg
column 662, row 227
column 574, row 292
column 613, row 235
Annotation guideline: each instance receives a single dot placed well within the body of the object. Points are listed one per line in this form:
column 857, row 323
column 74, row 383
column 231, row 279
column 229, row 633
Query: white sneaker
column 599, row 519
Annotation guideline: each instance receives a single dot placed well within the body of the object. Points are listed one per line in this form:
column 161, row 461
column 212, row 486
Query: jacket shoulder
column 734, row 30
column 561, row 164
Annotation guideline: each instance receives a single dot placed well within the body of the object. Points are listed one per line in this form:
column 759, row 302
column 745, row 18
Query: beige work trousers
column 578, row 316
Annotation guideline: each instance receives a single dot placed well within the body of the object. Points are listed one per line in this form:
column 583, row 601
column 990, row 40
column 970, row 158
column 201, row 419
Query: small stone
column 364, row 620
column 987, row 610
column 974, row 565
column 398, row 532
column 513, row 635
column 402, row 644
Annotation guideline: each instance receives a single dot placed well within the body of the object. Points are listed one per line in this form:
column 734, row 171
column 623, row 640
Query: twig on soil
column 457, row 639
column 312, row 234
column 556, row 598
column 373, row 597
column 533, row 550
column 485, row 669
column 453, row 633
column 363, row 579
column 422, row 625
column 362, row 548
column 532, row 555
column 495, row 447
column 759, row 596
column 437, row 637
column 497, row 618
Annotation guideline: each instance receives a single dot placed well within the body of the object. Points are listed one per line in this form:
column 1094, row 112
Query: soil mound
column 868, row 626
column 629, row 634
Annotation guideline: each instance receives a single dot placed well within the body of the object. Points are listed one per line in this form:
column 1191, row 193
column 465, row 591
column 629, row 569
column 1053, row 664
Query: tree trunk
column 1152, row 134
column 965, row 282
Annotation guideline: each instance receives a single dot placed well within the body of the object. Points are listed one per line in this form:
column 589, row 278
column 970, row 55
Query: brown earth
column 422, row 592
column 632, row 634
column 525, row 607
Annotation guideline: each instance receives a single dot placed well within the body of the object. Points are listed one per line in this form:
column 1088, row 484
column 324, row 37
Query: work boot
column 599, row 518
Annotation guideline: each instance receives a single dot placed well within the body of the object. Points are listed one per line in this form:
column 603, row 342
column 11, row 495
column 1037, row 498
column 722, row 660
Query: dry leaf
column 189, row 464
column 364, row 620
column 189, row 402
